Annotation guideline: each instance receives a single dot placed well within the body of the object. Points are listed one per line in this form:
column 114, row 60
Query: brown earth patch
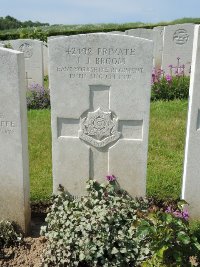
column 28, row 253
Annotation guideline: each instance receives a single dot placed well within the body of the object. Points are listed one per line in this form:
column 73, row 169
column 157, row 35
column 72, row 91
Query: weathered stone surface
column 33, row 54
column 116, row 32
column 141, row 32
column 100, row 97
column 45, row 53
column 54, row 36
column 178, row 42
column 14, row 172
column 191, row 175
column 156, row 35
column 45, row 58
column 158, row 46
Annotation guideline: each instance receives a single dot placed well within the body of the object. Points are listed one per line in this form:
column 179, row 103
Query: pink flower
column 178, row 214
column 168, row 77
column 110, row 178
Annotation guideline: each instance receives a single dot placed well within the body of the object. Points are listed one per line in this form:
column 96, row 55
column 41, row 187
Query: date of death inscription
column 100, row 63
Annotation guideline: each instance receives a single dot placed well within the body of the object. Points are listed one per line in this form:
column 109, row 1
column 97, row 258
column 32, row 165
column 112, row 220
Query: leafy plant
column 8, row 45
column 170, row 238
column 38, row 97
column 170, row 86
column 98, row 230
column 33, row 33
column 109, row 228
column 8, row 234
column 175, row 88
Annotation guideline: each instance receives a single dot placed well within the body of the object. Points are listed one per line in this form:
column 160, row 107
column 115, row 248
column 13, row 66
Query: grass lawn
column 166, row 148
column 39, row 130
column 165, row 158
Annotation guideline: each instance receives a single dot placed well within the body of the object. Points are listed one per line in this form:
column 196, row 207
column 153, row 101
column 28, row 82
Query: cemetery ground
column 165, row 152
column 165, row 166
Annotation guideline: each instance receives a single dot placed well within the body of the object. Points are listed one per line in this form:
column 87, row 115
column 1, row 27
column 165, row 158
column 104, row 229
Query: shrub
column 8, row 234
column 8, row 45
column 109, row 228
column 32, row 33
column 170, row 238
column 38, row 97
column 99, row 230
column 175, row 88
column 170, row 86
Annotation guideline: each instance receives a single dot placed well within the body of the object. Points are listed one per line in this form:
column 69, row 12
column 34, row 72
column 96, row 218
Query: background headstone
column 141, row 32
column 191, row 175
column 33, row 54
column 178, row 42
column 53, row 37
column 116, row 32
column 14, row 171
column 45, row 58
column 1, row 45
column 158, row 46
column 100, row 97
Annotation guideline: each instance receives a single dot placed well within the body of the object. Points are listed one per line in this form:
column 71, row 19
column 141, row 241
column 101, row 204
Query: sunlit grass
column 39, row 130
column 165, row 157
column 166, row 148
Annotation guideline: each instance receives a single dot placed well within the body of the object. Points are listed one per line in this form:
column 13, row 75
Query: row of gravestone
column 100, row 98
column 170, row 42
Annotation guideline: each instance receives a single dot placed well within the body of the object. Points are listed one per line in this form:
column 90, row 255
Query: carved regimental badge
column 180, row 37
column 99, row 128
column 27, row 49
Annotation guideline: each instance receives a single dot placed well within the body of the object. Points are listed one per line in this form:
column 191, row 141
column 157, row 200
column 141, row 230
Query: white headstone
column 116, row 32
column 45, row 58
column 178, row 42
column 191, row 175
column 141, row 32
column 100, row 97
column 33, row 54
column 14, row 171
column 158, row 46
column 53, row 37
column 1, row 45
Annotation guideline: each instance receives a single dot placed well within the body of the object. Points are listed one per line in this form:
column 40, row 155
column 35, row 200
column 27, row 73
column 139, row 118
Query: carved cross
column 100, row 128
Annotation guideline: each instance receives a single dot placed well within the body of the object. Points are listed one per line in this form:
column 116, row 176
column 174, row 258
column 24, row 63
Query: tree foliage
column 9, row 22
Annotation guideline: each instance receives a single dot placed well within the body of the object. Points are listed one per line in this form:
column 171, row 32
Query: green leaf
column 161, row 252
column 123, row 250
column 183, row 237
column 169, row 218
column 182, row 203
column 197, row 245
column 81, row 256
column 114, row 250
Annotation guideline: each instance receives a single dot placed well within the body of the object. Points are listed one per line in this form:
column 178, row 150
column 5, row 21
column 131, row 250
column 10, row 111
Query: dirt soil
column 28, row 254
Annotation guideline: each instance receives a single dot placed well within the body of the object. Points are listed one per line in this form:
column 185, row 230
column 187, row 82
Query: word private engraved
column 27, row 49
column 99, row 128
column 180, row 36
column 6, row 126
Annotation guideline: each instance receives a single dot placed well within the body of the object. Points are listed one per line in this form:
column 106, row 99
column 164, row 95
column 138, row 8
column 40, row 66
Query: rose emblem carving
column 99, row 128
column 180, row 37
column 27, row 49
